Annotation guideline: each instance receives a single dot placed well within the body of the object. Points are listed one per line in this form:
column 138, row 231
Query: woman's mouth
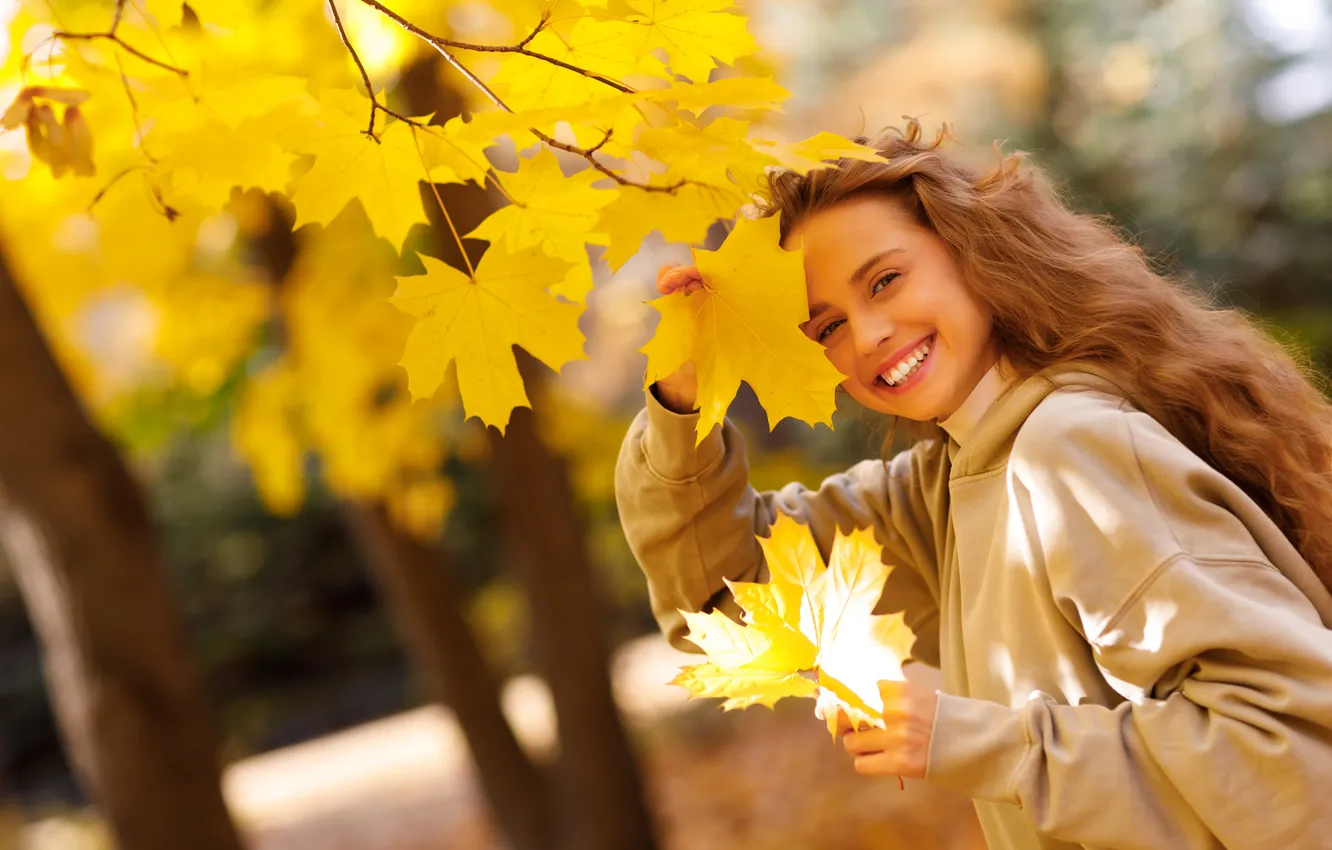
column 901, row 375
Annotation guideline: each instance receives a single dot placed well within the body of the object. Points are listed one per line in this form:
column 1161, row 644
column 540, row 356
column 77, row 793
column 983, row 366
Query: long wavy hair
column 1066, row 288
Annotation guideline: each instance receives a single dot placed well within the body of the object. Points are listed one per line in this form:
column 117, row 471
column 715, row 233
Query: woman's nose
column 870, row 332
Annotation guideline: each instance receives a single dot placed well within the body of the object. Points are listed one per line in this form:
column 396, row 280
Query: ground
column 745, row 780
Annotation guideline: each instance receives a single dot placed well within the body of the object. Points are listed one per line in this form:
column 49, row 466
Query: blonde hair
column 1066, row 288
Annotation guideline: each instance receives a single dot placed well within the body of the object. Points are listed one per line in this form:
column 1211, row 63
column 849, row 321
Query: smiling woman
column 890, row 306
column 1114, row 534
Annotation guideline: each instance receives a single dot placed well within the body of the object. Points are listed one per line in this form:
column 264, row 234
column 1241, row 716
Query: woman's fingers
column 672, row 278
column 871, row 740
column 886, row 763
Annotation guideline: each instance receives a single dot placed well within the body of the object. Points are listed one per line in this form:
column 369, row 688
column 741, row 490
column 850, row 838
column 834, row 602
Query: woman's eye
column 827, row 329
column 882, row 281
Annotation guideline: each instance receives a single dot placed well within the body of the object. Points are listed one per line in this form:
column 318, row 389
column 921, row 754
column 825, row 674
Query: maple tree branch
column 520, row 48
column 134, row 116
column 119, row 13
column 62, row 35
column 442, row 45
column 110, row 35
column 536, row 30
column 589, row 155
column 375, row 105
column 601, row 144
column 365, row 75
column 101, row 193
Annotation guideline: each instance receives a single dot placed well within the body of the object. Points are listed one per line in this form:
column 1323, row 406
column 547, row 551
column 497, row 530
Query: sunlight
column 381, row 44
column 1099, row 509
column 1291, row 26
column 1070, row 686
column 1159, row 614
column 1001, row 664
column 8, row 9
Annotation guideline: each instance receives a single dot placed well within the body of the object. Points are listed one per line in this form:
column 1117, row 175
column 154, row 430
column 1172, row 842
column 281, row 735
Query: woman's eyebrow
column 865, row 268
column 869, row 264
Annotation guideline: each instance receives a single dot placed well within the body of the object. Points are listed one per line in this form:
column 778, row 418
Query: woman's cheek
column 843, row 361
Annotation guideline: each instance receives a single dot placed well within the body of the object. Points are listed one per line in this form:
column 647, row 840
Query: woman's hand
column 902, row 747
column 678, row 391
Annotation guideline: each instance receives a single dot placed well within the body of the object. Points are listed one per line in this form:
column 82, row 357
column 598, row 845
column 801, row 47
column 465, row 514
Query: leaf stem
column 434, row 190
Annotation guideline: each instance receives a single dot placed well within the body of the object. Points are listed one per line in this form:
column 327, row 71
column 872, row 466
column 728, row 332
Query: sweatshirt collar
column 963, row 421
column 984, row 446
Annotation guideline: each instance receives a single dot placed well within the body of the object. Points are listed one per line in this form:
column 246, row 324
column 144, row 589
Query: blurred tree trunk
column 427, row 608
column 80, row 544
column 601, row 794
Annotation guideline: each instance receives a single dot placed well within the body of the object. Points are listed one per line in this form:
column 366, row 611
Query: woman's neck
column 961, row 423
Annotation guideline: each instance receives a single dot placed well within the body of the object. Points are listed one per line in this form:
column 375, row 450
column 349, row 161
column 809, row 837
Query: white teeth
column 907, row 366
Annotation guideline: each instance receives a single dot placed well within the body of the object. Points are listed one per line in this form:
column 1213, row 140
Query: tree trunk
column 601, row 795
column 126, row 696
column 427, row 608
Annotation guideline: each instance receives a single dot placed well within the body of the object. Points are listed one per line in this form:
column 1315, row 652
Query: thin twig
column 134, row 108
column 601, row 144
column 375, row 105
column 519, row 48
column 536, row 30
column 564, row 146
column 61, row 35
column 119, row 13
column 365, row 75
column 599, row 166
column 102, row 191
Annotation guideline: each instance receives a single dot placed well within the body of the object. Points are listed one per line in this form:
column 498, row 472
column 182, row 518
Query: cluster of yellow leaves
column 809, row 631
column 142, row 140
column 336, row 392
column 63, row 143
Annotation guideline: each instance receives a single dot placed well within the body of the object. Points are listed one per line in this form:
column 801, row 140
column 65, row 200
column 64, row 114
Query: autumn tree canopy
column 155, row 131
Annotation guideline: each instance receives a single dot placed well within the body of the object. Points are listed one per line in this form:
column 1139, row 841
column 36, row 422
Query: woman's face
column 887, row 302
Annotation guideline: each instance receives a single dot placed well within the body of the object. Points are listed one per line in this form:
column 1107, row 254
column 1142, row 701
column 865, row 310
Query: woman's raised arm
column 692, row 519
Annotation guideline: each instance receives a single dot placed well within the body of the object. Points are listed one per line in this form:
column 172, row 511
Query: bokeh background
column 1204, row 127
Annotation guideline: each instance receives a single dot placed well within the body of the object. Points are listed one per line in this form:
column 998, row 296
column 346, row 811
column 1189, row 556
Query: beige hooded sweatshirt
column 1133, row 654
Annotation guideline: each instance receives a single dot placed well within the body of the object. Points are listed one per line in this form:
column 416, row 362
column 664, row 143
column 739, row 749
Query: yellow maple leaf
column 745, row 325
column 690, row 32
column 207, row 160
column 745, row 686
column 683, row 215
column 810, row 630
column 817, row 151
column 739, row 92
column 547, row 209
column 475, row 322
column 725, row 151
column 576, row 284
column 384, row 173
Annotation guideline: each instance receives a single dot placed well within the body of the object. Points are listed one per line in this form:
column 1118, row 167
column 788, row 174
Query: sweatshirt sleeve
column 692, row 519
column 1225, row 735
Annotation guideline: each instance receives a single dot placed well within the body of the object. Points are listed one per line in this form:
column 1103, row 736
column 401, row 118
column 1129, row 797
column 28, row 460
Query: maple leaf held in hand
column 809, row 631
column 475, row 322
column 744, row 325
